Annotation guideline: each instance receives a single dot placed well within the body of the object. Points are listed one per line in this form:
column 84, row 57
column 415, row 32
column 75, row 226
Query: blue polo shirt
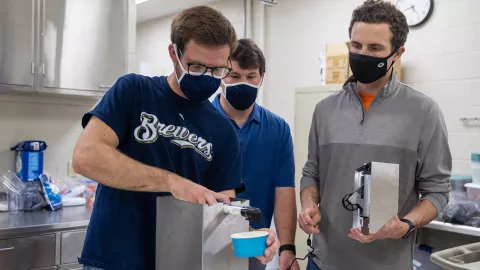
column 158, row 128
column 267, row 159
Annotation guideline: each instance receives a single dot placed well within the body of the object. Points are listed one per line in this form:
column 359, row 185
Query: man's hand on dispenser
column 273, row 244
column 394, row 229
column 309, row 218
column 186, row 190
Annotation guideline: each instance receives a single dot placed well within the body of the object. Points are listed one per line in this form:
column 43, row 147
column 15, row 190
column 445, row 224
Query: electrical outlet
column 71, row 172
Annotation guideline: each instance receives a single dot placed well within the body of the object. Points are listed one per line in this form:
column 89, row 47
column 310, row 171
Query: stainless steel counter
column 462, row 229
column 71, row 218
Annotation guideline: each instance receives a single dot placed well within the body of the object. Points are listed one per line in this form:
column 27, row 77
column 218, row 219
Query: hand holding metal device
column 375, row 199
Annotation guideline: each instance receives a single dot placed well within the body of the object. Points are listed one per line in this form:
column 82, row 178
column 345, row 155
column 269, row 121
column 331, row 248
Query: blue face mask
column 241, row 96
column 196, row 86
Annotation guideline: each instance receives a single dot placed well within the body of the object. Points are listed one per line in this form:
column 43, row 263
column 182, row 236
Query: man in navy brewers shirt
column 154, row 135
column 268, row 167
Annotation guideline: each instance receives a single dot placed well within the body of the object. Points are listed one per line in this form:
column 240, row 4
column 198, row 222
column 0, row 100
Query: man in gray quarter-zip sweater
column 374, row 118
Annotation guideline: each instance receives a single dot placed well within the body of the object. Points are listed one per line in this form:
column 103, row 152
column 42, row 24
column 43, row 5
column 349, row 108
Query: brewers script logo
column 151, row 128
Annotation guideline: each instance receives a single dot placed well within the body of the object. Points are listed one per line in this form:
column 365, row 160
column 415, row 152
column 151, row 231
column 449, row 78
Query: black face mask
column 368, row 69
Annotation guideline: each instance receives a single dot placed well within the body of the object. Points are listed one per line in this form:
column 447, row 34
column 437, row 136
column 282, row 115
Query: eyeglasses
column 199, row 69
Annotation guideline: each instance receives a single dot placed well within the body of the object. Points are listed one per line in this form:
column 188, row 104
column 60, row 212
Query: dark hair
column 249, row 56
column 204, row 25
column 379, row 11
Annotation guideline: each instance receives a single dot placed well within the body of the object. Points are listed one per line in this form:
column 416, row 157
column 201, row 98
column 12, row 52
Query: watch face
column 416, row 11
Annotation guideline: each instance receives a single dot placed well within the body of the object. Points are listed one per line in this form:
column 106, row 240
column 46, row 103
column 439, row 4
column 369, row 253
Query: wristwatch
column 287, row 247
column 410, row 229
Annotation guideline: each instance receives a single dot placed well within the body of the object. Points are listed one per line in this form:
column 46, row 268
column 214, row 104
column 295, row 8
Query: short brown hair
column 204, row 25
column 379, row 11
column 249, row 56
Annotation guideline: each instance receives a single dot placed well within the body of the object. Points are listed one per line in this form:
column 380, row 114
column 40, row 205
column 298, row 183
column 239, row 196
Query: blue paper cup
column 249, row 244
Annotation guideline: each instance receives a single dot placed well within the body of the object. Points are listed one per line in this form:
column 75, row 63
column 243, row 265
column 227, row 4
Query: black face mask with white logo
column 368, row 69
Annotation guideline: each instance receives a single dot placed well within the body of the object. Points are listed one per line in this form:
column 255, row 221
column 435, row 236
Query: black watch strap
column 287, row 247
column 410, row 225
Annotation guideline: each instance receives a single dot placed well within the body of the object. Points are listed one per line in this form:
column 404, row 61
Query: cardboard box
column 338, row 66
column 336, row 75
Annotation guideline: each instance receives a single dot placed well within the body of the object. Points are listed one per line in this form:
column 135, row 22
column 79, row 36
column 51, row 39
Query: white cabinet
column 305, row 101
column 62, row 46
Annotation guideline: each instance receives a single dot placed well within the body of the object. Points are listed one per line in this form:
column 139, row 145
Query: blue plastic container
column 457, row 182
column 29, row 159
column 249, row 244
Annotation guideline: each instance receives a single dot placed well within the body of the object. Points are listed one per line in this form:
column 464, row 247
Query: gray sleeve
column 434, row 161
column 310, row 170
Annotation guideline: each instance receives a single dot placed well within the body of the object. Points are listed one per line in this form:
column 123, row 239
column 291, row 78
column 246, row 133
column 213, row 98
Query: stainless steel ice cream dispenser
column 197, row 237
column 374, row 200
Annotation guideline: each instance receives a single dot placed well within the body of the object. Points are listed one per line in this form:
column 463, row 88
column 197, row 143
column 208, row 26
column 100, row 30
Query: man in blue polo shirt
column 154, row 135
column 268, row 168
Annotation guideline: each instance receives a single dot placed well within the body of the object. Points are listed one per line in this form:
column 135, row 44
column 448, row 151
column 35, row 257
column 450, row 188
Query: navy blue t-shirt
column 267, row 159
column 159, row 128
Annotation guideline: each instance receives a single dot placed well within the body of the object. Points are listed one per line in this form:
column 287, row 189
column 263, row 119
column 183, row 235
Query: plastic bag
column 51, row 192
column 90, row 192
column 33, row 196
column 474, row 222
column 461, row 211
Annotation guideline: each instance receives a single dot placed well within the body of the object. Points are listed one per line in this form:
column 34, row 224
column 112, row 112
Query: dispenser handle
column 250, row 213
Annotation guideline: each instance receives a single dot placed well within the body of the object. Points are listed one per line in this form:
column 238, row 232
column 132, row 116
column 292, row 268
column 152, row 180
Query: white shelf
column 462, row 229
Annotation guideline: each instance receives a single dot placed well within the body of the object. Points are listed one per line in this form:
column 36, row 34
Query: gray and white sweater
column 401, row 126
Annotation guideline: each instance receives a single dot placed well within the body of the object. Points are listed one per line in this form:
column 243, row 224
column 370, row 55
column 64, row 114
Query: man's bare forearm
column 309, row 196
column 422, row 214
column 285, row 214
column 110, row 167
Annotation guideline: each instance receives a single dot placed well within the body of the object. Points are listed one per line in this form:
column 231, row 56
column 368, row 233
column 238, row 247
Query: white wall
column 54, row 120
column 152, row 9
column 441, row 59
column 153, row 38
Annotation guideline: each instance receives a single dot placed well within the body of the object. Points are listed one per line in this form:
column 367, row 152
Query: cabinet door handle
column 103, row 86
column 6, row 249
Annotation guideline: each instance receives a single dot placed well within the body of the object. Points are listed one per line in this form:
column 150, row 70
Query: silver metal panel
column 179, row 234
column 28, row 252
column 50, row 268
column 367, row 182
column 357, row 219
column 71, row 246
column 383, row 194
column 217, row 244
column 196, row 237
column 58, row 241
column 83, row 44
column 73, row 266
column 37, row 222
column 17, row 45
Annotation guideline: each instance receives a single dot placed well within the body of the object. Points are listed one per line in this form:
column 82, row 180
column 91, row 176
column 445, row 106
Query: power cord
column 309, row 254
